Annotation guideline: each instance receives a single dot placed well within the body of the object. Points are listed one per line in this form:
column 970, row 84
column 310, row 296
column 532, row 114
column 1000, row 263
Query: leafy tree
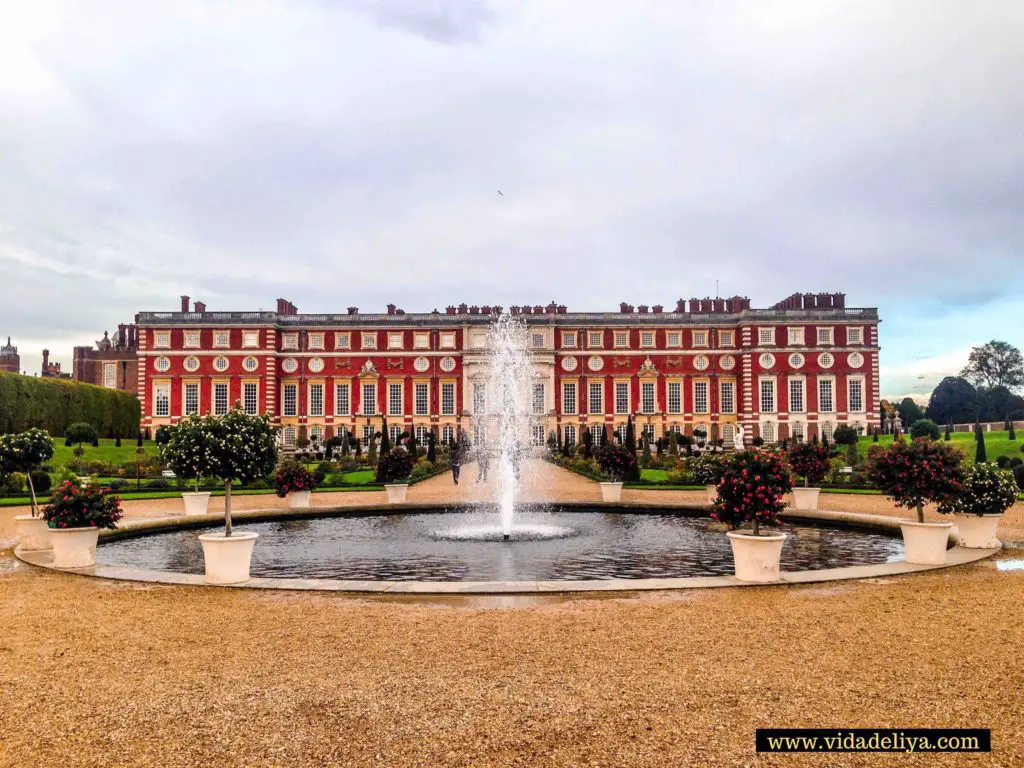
column 26, row 452
column 998, row 403
column 588, row 444
column 371, row 450
column 914, row 473
column 980, row 454
column 243, row 448
column 81, row 432
column 925, row 428
column 953, row 401
column 996, row 364
column 809, row 461
column 189, row 449
column 909, row 411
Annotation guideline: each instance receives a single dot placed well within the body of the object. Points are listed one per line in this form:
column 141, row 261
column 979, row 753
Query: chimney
column 184, row 303
column 695, row 305
column 642, row 309
column 46, row 359
column 680, row 305
column 200, row 306
column 657, row 309
column 391, row 309
column 449, row 310
column 353, row 310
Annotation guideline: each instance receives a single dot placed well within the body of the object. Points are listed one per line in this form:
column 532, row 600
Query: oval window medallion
column 250, row 364
column 701, row 362
column 855, row 359
column 220, row 364
column 766, row 360
column 825, row 360
column 727, row 362
column 448, row 364
column 162, row 364
column 191, row 364
column 290, row 365
column 316, row 364
column 421, row 364
column 796, row 360
column 595, row 363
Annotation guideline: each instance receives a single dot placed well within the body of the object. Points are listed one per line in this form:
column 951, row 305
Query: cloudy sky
column 339, row 152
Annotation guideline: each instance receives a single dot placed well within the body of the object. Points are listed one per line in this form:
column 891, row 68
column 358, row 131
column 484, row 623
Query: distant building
column 10, row 362
column 51, row 370
column 112, row 363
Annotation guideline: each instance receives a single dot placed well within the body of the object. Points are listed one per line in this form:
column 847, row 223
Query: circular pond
column 468, row 546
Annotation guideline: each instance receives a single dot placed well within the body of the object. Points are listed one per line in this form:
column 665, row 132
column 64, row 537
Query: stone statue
column 737, row 438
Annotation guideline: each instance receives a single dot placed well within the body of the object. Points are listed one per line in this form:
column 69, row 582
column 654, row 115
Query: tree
column 980, row 454
column 633, row 474
column 189, row 449
column 81, row 432
column 432, row 447
column 909, row 411
column 371, row 450
column 953, row 401
column 917, row 472
column 385, row 439
column 996, row 364
column 138, row 442
column 345, row 444
column 845, row 435
column 925, row 428
column 242, row 448
column 998, row 403
column 588, row 444
column 949, row 429
column 26, row 452
column 809, row 461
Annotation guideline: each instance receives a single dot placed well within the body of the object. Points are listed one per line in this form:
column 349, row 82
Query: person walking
column 456, row 460
column 483, row 463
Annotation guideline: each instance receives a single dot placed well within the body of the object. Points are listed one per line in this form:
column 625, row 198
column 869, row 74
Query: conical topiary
column 980, row 454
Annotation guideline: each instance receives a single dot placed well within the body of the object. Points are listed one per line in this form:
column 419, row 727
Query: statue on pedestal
column 737, row 438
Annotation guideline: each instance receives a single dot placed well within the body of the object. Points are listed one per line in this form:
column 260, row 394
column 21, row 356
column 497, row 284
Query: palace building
column 798, row 368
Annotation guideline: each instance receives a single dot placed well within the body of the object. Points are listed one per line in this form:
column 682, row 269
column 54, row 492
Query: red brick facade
column 112, row 363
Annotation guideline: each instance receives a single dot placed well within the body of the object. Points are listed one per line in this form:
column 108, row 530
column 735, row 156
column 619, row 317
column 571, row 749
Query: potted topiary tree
column 295, row 483
column 810, row 461
column 753, row 486
column 987, row 492
column 913, row 474
column 75, row 515
column 615, row 462
column 706, row 469
column 393, row 470
column 187, row 453
column 26, row 452
column 242, row 448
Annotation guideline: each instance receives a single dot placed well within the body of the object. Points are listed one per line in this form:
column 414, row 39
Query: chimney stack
column 200, row 306
column 184, row 303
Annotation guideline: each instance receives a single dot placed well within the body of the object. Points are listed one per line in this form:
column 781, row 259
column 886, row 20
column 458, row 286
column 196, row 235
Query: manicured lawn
column 654, row 475
column 107, row 451
column 996, row 444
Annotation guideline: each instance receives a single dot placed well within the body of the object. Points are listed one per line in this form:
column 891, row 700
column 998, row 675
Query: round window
column 701, row 362
column 250, row 364
column 767, row 360
column 316, row 364
column 290, row 365
column 448, row 364
column 595, row 363
column 162, row 364
column 796, row 360
column 569, row 364
column 220, row 364
column 855, row 359
column 727, row 362
column 422, row 365
column 825, row 360
column 191, row 364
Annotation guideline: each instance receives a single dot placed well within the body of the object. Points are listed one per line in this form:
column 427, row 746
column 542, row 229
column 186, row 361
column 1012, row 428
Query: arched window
column 570, row 435
column 316, row 434
column 768, row 431
column 728, row 432
column 288, row 437
column 797, row 430
column 827, row 429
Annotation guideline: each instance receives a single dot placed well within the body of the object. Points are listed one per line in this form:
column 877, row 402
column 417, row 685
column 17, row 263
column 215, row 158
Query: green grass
column 16, row 501
column 996, row 444
column 107, row 451
column 654, row 475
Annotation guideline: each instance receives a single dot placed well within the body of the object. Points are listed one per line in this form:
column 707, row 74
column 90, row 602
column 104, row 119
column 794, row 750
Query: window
column 538, row 399
column 220, row 399
column 110, row 375
column 394, row 341
column 647, row 338
column 250, row 397
column 675, row 429
column 162, row 339
column 448, row 433
column 569, row 397
column 448, row 399
column 316, row 434
column 796, row 396
column 290, row 400
column 675, row 400
column 448, row 340
column 288, row 437
column 765, row 336
column 161, row 399
column 252, row 339
column 342, row 400
column 191, row 399
column 537, row 435
column 767, row 395
column 479, row 397
column 855, row 391
column 394, row 432
column 621, row 397
column 649, row 434
column 797, row 430
column 701, row 362
column 826, row 398
column 290, row 341
column 342, row 341
column 854, row 335
column 727, row 397
column 369, row 401
column 727, row 338
column 368, row 340
column 222, row 339
column 827, row 429
column 367, row 434
column 568, row 339
column 536, row 339
column 250, row 364
column 647, row 397
column 825, row 360
column 479, row 434
column 796, row 335
column 768, row 431
column 394, row 399
column 570, row 435
column 700, row 397
column 192, row 339
column 595, row 404
column 673, row 339
column 596, row 433
column 422, row 434
column 422, row 398
column 421, row 341
column 825, row 335
column 595, row 339
column 700, row 338
column 622, row 339
column 620, row 432
column 316, row 399
column 728, row 432
column 316, row 341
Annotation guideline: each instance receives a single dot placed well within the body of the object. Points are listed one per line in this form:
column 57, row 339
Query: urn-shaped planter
column 925, row 543
column 74, row 547
column 227, row 558
column 978, row 531
column 299, row 499
column 33, row 532
column 756, row 558
column 805, row 498
column 712, row 491
column 396, row 492
column 611, row 492
column 197, row 503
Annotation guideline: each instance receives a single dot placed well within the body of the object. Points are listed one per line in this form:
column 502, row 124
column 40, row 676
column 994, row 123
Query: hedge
column 53, row 404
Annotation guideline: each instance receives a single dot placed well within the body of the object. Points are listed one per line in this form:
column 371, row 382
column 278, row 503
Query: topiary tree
column 162, row 436
column 395, row 466
column 615, row 462
column 917, row 472
column 986, row 490
column 1012, row 432
column 26, row 452
column 188, row 451
column 752, row 489
column 980, row 454
column 845, row 435
column 138, row 441
column 925, row 428
column 371, row 450
column 588, row 444
column 432, row 447
column 385, row 439
column 242, row 448
column 949, row 428
column 81, row 432
column 809, row 461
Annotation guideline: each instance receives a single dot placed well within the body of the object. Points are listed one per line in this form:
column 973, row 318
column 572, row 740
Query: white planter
column 611, row 492
column 756, row 558
column 33, row 532
column 805, row 498
column 299, row 499
column 925, row 542
column 74, row 547
column 396, row 492
column 196, row 503
column 978, row 531
column 227, row 557
column 712, row 491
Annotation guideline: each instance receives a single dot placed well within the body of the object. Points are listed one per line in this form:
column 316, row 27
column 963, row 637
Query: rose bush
column 615, row 461
column 292, row 477
column 395, row 466
column 810, row 461
column 75, row 506
column 916, row 472
column 752, row 489
column 986, row 490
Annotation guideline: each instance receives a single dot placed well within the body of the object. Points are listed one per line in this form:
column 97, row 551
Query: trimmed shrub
column 810, row 461
column 925, row 428
column 73, row 506
column 986, row 490
column 55, row 404
column 615, row 462
column 41, row 481
column 845, row 435
column 752, row 489
column 914, row 473
column 1018, row 475
column 395, row 466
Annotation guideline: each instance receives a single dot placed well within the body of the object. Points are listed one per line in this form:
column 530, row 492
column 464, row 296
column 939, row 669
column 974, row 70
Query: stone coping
column 43, row 558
